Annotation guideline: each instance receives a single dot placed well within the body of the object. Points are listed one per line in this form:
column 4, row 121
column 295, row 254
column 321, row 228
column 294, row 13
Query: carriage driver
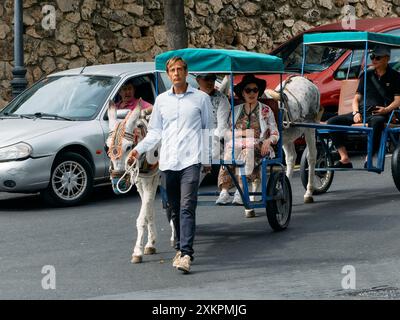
column 382, row 97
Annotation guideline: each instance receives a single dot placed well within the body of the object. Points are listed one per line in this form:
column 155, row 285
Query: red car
column 326, row 67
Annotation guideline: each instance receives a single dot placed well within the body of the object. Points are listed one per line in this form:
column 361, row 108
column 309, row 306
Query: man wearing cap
column 382, row 97
column 220, row 112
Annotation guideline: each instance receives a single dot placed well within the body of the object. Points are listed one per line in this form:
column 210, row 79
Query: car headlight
column 15, row 152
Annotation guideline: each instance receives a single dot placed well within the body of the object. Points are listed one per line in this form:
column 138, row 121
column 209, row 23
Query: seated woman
column 255, row 132
column 128, row 100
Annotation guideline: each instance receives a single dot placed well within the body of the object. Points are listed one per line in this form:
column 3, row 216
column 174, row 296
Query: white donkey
column 123, row 137
column 301, row 103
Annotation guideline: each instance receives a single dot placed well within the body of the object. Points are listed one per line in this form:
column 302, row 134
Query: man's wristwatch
column 355, row 112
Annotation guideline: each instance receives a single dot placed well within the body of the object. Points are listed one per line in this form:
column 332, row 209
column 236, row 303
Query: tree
column 175, row 25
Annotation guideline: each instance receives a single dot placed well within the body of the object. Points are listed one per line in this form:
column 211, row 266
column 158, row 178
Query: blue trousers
column 181, row 187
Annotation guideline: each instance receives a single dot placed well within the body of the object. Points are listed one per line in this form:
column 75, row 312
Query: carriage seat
column 347, row 91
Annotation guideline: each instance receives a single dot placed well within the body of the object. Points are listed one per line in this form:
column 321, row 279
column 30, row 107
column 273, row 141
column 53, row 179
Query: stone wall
column 91, row 32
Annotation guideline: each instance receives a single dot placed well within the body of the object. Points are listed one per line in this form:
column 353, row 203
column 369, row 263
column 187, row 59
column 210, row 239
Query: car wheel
column 71, row 180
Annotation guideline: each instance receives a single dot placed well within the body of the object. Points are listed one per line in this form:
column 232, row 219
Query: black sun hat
column 247, row 79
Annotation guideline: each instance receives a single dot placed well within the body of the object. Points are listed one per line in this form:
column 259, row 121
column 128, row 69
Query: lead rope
column 133, row 171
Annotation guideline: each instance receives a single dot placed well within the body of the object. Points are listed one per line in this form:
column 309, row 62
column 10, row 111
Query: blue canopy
column 222, row 61
column 351, row 39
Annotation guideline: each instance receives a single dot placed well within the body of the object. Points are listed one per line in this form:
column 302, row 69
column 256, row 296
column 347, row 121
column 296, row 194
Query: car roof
column 115, row 70
column 373, row 25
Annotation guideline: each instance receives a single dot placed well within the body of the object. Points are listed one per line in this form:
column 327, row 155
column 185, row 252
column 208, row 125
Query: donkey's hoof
column 308, row 199
column 249, row 213
column 137, row 259
column 149, row 250
column 173, row 243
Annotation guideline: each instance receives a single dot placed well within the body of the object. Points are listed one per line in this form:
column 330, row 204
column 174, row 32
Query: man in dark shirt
column 382, row 97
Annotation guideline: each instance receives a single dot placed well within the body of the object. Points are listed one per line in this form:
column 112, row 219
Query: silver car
column 52, row 136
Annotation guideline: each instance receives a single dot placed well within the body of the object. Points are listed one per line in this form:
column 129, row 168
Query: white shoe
column 223, row 198
column 237, row 199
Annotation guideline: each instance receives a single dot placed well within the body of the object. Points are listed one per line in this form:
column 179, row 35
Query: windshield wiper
column 7, row 115
column 51, row 115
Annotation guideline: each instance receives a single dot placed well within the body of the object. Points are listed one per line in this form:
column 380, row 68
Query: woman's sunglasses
column 248, row 90
column 374, row 57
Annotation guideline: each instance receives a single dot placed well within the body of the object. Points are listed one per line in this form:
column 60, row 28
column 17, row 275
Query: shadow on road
column 34, row 202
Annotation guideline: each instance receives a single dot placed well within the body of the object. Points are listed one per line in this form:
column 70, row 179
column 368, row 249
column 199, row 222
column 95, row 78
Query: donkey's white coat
column 303, row 103
column 146, row 185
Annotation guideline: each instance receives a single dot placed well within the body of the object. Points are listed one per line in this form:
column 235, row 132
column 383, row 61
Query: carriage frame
column 353, row 40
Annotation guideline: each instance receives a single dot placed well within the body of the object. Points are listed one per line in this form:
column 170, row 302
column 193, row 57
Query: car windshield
column 318, row 58
column 77, row 97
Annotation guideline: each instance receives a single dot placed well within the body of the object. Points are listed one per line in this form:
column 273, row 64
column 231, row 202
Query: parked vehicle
column 53, row 134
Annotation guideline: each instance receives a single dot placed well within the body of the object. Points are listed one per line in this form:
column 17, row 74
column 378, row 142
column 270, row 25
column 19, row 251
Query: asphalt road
column 356, row 224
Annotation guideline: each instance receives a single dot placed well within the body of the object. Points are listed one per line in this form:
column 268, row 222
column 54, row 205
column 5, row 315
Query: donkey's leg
column 137, row 254
column 290, row 156
column 150, row 187
column 309, row 135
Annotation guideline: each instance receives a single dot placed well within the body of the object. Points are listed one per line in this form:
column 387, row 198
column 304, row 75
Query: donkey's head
column 123, row 137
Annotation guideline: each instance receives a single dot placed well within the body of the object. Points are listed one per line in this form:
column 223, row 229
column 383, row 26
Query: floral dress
column 248, row 149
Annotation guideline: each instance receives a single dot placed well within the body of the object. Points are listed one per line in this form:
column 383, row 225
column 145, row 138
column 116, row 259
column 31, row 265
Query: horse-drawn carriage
column 390, row 136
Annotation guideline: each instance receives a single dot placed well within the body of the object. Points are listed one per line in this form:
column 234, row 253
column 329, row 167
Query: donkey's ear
column 112, row 114
column 131, row 119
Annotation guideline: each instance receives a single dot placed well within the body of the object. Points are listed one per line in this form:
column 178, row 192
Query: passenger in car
column 128, row 100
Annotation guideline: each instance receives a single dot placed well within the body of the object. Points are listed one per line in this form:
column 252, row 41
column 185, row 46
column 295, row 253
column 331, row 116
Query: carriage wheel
column 279, row 209
column 396, row 166
column 323, row 179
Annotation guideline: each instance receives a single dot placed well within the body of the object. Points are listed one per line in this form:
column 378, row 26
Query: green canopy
column 351, row 39
column 222, row 61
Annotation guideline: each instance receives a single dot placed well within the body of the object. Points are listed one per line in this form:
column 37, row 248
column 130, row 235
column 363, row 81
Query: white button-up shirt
column 177, row 121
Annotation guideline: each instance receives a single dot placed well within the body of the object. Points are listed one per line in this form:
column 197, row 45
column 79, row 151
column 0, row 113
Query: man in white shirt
column 178, row 119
